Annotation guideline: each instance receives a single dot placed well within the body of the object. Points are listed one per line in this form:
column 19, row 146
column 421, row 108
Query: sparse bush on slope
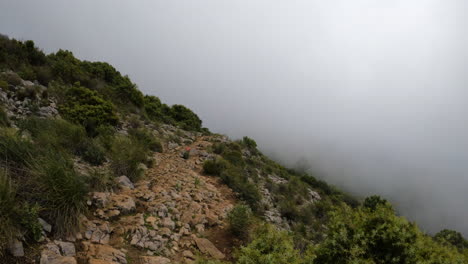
column 62, row 191
column 240, row 220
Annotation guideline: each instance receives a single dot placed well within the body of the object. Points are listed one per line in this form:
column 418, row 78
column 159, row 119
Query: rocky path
column 171, row 216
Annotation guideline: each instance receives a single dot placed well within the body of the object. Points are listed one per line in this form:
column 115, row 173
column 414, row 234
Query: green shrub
column 4, row 121
column 101, row 180
column 374, row 201
column 240, row 220
column 94, row 153
column 218, row 148
column 378, row 235
column 28, row 219
column 15, row 152
column 84, row 106
column 11, row 78
column 57, row 134
column 249, row 143
column 126, row 157
column 451, row 237
column 269, row 246
column 214, row 167
column 7, row 207
column 146, row 138
column 237, row 180
column 61, row 191
column 3, row 85
column 185, row 118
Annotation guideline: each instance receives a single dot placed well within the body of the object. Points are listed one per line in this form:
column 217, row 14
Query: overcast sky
column 373, row 94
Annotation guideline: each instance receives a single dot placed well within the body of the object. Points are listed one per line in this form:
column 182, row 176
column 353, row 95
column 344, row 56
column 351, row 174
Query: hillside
column 94, row 171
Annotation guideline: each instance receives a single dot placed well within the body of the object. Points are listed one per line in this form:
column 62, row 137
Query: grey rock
column 45, row 226
column 124, row 181
column 16, row 248
column 67, row 248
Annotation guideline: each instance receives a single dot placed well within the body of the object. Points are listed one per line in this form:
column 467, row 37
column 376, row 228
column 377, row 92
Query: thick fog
column 371, row 94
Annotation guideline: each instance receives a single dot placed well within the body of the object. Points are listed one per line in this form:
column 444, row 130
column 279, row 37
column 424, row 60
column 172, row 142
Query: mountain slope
column 93, row 171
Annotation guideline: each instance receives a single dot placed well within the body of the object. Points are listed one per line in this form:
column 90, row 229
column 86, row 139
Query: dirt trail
column 175, row 212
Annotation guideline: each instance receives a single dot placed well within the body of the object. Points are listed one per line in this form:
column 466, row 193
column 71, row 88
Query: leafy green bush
column 378, row 236
column 237, row 180
column 28, row 219
column 7, row 208
column 126, row 157
column 101, row 180
column 3, row 85
column 218, row 148
column 451, row 237
column 185, row 118
column 269, row 246
column 16, row 153
column 11, row 78
column 54, row 133
column 146, row 138
column 214, row 167
column 4, row 121
column 84, row 106
column 94, row 153
column 240, row 220
column 249, row 143
column 374, row 201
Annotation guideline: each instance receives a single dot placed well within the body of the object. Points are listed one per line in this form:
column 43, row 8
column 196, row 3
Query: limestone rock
column 154, row 260
column 125, row 182
column 207, row 247
column 16, row 248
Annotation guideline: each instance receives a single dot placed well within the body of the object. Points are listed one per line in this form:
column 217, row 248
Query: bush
column 94, row 153
column 85, row 107
column 3, row 85
column 249, row 143
column 28, row 219
column 214, row 167
column 11, row 78
column 218, row 148
column 146, row 138
column 237, row 181
column 101, row 180
column 57, row 134
column 126, row 157
column 7, row 208
column 4, row 121
column 374, row 201
column 61, row 191
column 240, row 220
column 269, row 246
column 185, row 118
column 451, row 237
column 16, row 153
